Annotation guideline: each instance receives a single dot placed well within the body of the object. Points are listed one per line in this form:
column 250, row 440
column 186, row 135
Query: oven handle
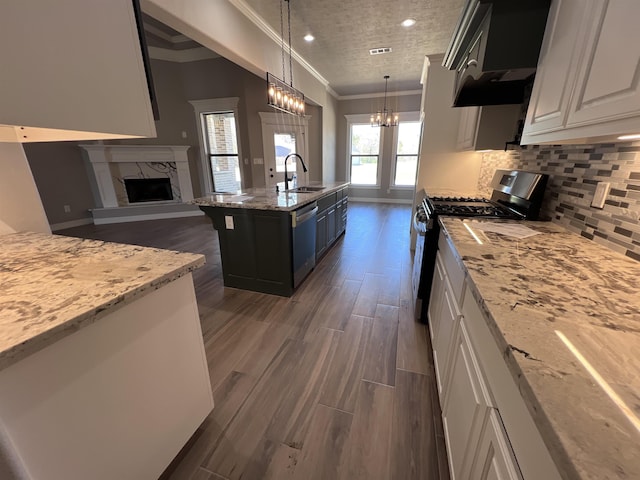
column 419, row 227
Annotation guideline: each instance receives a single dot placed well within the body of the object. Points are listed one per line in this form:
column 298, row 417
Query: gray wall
column 574, row 171
column 407, row 103
column 62, row 176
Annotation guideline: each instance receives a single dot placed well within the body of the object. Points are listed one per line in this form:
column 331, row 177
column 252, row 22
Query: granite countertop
column 538, row 289
column 51, row 285
column 267, row 198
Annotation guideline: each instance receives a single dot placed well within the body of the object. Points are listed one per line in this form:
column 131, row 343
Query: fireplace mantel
column 101, row 156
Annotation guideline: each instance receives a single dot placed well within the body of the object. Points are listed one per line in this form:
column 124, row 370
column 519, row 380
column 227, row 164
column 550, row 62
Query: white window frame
column 214, row 105
column 403, row 117
column 360, row 119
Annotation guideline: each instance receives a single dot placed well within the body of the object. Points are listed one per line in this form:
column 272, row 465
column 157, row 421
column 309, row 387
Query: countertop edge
column 545, row 427
column 42, row 340
column 306, row 199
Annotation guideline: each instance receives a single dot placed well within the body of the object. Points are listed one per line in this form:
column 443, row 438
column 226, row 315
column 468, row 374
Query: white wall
column 20, row 205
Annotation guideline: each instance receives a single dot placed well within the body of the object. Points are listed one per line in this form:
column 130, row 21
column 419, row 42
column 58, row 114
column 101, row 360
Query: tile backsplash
column 574, row 171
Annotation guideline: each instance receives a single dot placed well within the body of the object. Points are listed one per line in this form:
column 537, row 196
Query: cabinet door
column 331, row 225
column 494, row 459
column 608, row 83
column 557, row 65
column 321, row 234
column 467, row 128
column 465, row 406
column 76, row 72
column 339, row 207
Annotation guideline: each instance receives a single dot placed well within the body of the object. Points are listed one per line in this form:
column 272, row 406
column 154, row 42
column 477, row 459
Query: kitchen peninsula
column 270, row 241
column 103, row 372
column 546, row 335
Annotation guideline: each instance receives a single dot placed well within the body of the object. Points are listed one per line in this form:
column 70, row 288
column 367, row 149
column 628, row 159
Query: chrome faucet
column 286, row 175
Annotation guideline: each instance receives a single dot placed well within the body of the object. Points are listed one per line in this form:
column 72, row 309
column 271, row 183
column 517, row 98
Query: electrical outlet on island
column 67, row 209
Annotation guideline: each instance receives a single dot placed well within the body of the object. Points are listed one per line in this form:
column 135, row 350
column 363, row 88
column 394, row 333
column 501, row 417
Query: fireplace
column 148, row 189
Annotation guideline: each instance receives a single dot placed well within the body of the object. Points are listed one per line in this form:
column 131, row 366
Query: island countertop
column 560, row 308
column 267, row 198
column 52, row 285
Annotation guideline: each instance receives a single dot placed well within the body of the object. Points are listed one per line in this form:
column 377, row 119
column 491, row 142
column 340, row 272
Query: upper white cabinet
column 488, row 127
column 587, row 86
column 72, row 70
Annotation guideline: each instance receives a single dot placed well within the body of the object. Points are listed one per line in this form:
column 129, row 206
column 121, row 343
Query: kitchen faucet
column 286, row 175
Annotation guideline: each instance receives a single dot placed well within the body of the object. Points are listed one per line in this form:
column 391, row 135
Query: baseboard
column 150, row 216
column 407, row 201
column 70, row 224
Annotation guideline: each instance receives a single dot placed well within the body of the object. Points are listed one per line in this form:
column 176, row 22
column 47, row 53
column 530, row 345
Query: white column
column 184, row 176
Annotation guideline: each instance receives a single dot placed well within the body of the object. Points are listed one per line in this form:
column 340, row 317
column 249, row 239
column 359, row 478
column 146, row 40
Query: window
column 220, row 145
column 406, row 159
column 222, row 148
column 365, row 154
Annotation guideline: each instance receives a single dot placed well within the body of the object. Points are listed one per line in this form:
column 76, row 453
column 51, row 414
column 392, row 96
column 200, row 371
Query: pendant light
column 384, row 117
column 280, row 95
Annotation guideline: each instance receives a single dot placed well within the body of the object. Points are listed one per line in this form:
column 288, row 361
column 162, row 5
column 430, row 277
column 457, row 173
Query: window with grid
column 365, row 154
column 406, row 154
column 222, row 148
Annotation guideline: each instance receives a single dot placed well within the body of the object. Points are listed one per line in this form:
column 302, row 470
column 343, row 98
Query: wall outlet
column 246, row 161
column 67, row 209
column 600, row 195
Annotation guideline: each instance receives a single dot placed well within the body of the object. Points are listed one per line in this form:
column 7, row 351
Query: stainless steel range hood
column 495, row 49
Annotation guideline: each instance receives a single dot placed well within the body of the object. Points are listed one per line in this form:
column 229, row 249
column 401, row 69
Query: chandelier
column 280, row 95
column 384, row 117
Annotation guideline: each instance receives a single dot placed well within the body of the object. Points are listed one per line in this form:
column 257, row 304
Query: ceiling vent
column 379, row 51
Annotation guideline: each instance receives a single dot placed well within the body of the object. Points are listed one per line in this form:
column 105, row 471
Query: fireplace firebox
column 148, row 189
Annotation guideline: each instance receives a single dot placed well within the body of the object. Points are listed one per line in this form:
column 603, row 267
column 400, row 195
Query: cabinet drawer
column 326, row 202
column 454, row 269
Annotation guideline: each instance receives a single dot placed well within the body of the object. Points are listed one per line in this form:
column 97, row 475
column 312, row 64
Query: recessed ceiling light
column 629, row 137
column 309, row 38
column 409, row 22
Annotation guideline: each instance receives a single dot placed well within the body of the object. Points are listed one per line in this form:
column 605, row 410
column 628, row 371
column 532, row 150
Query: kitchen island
column 552, row 323
column 103, row 373
column 270, row 241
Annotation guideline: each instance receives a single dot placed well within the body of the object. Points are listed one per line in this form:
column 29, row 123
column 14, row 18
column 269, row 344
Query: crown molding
column 181, row 56
column 259, row 22
column 165, row 36
column 401, row 93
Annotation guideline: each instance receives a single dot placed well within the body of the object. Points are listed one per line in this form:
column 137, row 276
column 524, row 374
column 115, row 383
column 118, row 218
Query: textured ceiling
column 345, row 30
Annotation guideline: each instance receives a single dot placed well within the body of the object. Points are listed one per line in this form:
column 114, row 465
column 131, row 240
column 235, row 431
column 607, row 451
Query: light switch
column 228, row 222
column 600, row 195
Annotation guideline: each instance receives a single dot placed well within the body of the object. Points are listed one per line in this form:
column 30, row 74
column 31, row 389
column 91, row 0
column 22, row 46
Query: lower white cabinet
column 494, row 455
column 466, row 405
column 443, row 319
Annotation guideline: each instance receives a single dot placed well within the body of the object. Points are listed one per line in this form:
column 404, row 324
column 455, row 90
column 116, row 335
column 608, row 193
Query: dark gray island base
column 269, row 242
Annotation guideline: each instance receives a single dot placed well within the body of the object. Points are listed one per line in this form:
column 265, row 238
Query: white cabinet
column 465, row 406
column 443, row 319
column 587, row 88
column 72, row 70
column 494, row 459
column 488, row 127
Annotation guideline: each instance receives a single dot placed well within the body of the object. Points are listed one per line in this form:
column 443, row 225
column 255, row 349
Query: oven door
column 416, row 276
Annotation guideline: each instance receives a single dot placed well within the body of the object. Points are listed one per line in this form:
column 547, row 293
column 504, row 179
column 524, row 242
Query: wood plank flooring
column 335, row 382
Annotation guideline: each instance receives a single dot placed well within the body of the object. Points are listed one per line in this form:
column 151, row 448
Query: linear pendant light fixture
column 280, row 95
column 384, row 117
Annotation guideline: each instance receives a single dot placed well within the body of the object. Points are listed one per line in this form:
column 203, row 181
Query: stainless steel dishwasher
column 303, row 222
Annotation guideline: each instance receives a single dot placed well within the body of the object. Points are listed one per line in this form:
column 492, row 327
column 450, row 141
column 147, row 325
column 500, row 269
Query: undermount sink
column 306, row 189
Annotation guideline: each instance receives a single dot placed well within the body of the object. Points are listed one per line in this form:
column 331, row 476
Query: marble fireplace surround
column 140, row 157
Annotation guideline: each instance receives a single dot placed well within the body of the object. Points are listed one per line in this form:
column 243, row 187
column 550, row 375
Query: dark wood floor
column 335, row 382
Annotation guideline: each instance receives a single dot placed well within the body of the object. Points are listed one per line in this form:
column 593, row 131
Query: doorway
column 282, row 136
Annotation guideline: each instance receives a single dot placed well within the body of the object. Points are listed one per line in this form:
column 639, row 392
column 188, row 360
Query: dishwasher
column 303, row 223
